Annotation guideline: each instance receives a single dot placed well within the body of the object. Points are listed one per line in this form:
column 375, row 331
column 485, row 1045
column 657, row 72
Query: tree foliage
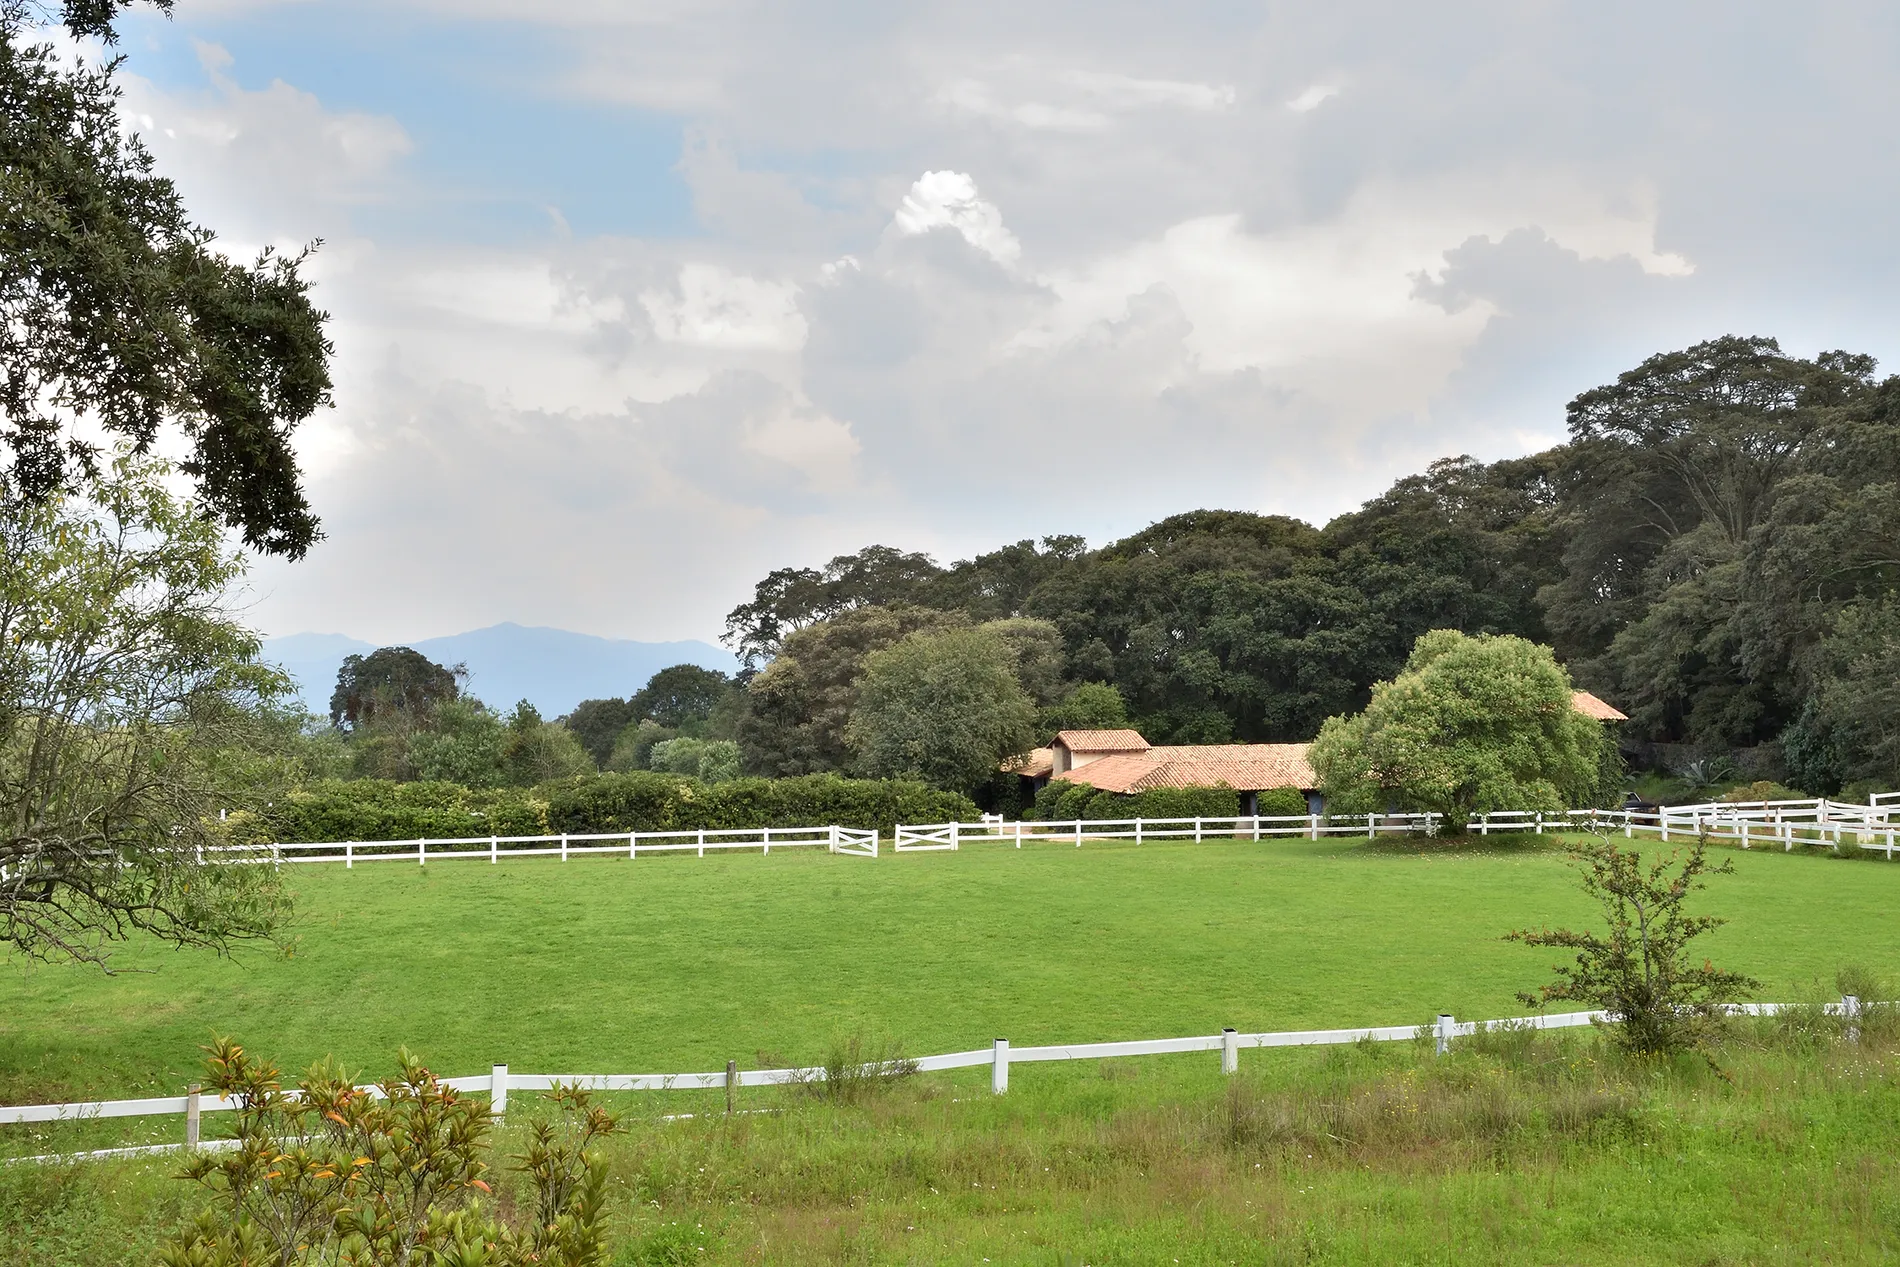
column 121, row 316
column 1715, row 550
column 945, row 707
column 798, row 707
column 1640, row 969
column 133, row 708
column 681, row 696
column 1472, row 725
column 389, row 687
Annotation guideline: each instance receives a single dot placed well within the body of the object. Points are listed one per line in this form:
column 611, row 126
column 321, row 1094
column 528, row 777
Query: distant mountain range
column 552, row 669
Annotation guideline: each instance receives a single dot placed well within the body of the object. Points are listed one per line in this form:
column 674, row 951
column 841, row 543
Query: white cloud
column 714, row 307
column 1257, row 262
column 266, row 165
column 1129, row 92
column 1310, row 100
column 949, row 200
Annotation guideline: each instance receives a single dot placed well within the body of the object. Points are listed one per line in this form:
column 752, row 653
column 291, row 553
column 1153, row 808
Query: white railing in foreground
column 1811, row 823
column 831, row 838
column 999, row 1056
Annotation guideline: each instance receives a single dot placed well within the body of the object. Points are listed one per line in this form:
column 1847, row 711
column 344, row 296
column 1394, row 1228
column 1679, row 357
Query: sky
column 636, row 300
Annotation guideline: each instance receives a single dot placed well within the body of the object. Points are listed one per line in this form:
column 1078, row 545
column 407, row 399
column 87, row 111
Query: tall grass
column 1517, row 1147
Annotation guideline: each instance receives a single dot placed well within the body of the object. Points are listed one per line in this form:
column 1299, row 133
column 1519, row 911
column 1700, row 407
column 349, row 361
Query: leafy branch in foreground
column 132, row 709
column 328, row 1173
column 1640, row 971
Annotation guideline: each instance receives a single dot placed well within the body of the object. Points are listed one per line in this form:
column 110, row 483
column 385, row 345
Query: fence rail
column 1874, row 826
column 1784, row 823
column 999, row 1056
column 422, row 851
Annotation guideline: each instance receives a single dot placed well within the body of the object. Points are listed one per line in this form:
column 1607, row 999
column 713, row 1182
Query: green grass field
column 1549, row 1151
column 682, row 963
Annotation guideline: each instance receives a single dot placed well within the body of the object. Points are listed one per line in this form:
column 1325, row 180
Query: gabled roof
column 1590, row 706
column 1034, row 764
column 1102, row 741
column 1245, row 767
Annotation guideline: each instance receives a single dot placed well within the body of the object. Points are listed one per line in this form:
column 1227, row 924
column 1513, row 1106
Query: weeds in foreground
column 326, row 1173
column 857, row 1068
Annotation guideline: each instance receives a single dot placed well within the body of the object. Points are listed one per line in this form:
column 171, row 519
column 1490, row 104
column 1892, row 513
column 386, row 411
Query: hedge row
column 645, row 801
column 377, row 809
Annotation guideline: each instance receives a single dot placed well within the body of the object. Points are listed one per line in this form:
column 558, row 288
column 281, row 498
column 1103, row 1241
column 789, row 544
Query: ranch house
column 1123, row 761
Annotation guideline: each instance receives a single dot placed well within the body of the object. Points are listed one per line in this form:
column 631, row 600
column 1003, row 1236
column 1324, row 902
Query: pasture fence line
column 499, row 1081
column 564, row 845
column 1874, row 826
column 1749, row 824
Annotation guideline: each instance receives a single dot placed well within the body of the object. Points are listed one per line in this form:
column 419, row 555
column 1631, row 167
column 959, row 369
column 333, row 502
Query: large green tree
column 132, row 709
column 119, row 315
column 388, row 685
column 796, row 710
column 945, row 707
column 1472, row 724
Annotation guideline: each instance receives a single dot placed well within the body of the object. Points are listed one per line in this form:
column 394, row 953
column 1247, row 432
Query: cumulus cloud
column 1155, row 259
column 949, row 200
column 711, row 306
column 1312, row 98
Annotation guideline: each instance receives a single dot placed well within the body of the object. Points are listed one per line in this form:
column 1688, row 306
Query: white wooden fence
column 1873, row 826
column 999, row 1056
column 631, row 844
column 1784, row 823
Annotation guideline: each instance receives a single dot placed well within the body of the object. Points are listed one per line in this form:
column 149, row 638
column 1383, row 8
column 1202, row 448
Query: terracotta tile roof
column 1590, row 706
column 1245, row 767
column 1102, row 741
column 1034, row 764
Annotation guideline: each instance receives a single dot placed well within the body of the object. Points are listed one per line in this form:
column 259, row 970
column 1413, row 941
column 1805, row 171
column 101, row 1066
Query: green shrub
column 1044, row 808
column 1166, row 802
column 1071, row 802
column 649, row 801
column 1761, row 790
column 378, row 809
column 1281, row 802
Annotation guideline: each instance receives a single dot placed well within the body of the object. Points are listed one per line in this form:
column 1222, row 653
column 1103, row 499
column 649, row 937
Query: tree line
column 1715, row 549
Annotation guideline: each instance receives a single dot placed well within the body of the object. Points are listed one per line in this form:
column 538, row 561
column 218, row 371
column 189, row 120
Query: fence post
column 1850, row 1009
column 1312, row 825
column 498, row 1091
column 955, row 834
column 633, row 845
column 1078, row 833
column 422, row 853
column 1372, row 821
column 999, row 1066
column 192, row 1122
column 1256, row 827
column 1445, row 1028
column 201, row 855
column 834, row 838
column 563, row 846
column 1540, row 824
column 732, row 1083
column 1138, row 831
column 494, row 850
column 1197, row 830
column 349, row 854
column 1229, row 1050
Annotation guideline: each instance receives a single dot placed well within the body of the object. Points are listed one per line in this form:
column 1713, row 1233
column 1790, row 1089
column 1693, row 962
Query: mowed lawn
column 666, row 965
